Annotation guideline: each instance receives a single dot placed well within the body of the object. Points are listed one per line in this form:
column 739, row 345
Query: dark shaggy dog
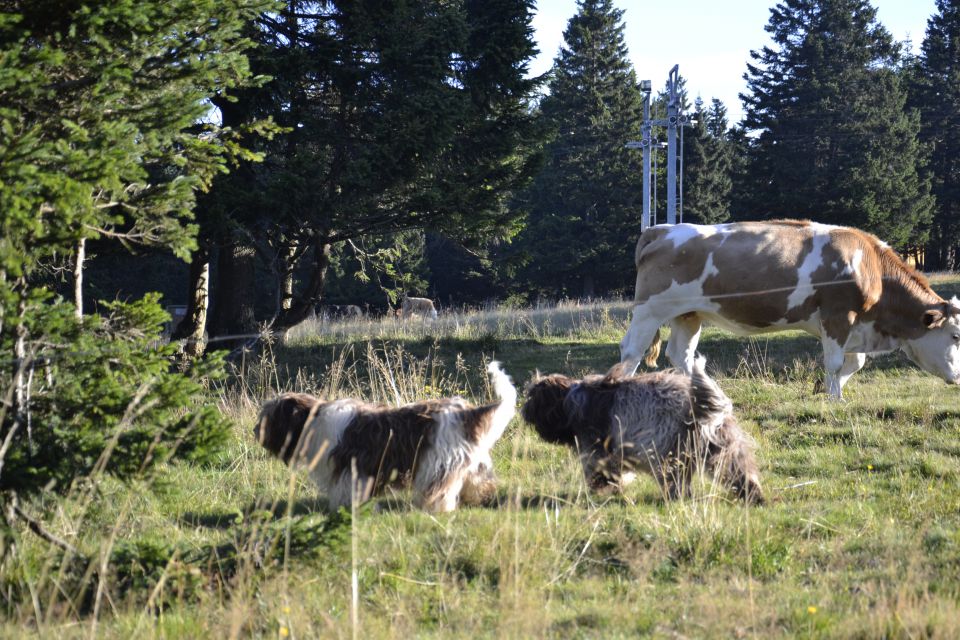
column 439, row 447
column 663, row 423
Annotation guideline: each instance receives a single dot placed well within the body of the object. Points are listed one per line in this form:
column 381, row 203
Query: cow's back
column 758, row 274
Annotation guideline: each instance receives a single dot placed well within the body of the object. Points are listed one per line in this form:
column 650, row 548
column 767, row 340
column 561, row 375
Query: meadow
column 860, row 537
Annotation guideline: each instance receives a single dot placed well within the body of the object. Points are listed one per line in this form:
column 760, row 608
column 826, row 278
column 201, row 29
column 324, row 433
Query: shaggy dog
column 663, row 423
column 439, row 447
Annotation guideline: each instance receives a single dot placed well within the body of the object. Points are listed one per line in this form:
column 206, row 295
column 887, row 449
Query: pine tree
column 399, row 116
column 100, row 136
column 707, row 166
column 836, row 143
column 584, row 205
column 936, row 93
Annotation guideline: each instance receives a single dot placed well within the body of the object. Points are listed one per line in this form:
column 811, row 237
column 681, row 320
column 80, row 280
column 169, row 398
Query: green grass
column 860, row 539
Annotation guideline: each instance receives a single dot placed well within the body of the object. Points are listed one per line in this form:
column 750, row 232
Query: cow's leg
column 682, row 346
column 833, row 361
column 643, row 328
column 852, row 362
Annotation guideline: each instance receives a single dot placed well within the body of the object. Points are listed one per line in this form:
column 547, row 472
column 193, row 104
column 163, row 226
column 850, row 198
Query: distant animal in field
column 840, row 284
column 439, row 447
column 666, row 424
column 340, row 312
column 422, row 307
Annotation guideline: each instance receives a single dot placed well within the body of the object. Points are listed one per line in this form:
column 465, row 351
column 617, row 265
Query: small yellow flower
column 286, row 610
column 869, row 467
column 811, row 609
column 284, row 632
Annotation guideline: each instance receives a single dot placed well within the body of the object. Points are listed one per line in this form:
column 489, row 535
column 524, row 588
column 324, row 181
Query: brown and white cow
column 840, row 284
column 422, row 307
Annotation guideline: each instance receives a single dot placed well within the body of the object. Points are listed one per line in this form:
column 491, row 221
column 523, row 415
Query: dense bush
column 102, row 396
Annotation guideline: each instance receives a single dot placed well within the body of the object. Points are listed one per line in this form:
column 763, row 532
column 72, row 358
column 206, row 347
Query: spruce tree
column 584, row 207
column 398, row 116
column 937, row 95
column 835, row 143
column 707, row 166
column 100, row 136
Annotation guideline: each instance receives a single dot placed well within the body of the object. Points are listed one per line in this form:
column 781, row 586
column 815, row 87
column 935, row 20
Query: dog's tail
column 503, row 411
column 710, row 404
column 653, row 351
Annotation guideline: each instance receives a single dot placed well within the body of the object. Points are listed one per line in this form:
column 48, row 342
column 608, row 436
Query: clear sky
column 710, row 39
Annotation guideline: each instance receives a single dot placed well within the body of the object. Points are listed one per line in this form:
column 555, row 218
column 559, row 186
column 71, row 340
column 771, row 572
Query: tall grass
column 861, row 538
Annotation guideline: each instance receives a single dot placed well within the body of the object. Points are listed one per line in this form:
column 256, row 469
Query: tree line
column 257, row 158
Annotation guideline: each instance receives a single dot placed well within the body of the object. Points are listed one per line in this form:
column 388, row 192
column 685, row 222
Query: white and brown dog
column 439, row 447
column 663, row 423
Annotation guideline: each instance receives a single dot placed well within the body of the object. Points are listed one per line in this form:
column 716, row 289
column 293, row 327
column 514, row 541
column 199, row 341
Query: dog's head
column 546, row 410
column 281, row 423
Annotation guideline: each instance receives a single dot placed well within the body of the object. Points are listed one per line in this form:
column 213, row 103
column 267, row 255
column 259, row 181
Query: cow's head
column 937, row 351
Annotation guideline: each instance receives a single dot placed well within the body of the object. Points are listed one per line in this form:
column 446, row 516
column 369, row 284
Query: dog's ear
column 282, row 427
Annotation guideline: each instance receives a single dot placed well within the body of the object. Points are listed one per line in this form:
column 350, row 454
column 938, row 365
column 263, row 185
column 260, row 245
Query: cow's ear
column 933, row 318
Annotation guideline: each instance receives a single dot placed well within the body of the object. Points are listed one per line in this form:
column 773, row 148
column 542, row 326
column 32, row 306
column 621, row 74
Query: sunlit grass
column 861, row 537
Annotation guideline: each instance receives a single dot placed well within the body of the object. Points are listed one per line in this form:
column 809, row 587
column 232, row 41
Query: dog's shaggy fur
column 439, row 447
column 663, row 423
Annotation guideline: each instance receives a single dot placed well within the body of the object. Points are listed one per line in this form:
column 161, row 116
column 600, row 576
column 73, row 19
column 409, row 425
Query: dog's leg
column 674, row 473
column 599, row 473
column 479, row 484
column 443, row 496
column 343, row 491
column 479, row 488
column 734, row 465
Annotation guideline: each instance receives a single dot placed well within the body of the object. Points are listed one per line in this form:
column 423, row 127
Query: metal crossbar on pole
column 648, row 143
column 673, row 117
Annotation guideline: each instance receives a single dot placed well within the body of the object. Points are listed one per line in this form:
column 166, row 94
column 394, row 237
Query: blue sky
column 710, row 39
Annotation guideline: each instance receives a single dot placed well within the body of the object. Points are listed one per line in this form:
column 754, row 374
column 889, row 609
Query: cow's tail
column 646, row 238
column 654, row 351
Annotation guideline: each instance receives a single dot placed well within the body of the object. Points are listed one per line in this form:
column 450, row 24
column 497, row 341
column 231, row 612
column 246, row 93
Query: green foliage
column 138, row 565
column 379, row 268
column 102, row 397
column 836, row 143
column 707, row 166
column 98, row 119
column 584, row 205
column 936, row 93
column 105, row 132
column 376, row 144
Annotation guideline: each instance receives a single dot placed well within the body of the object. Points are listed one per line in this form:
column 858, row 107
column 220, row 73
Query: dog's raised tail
column 710, row 404
column 507, row 394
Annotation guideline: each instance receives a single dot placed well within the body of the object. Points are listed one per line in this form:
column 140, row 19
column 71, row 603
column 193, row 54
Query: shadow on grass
column 520, row 357
column 777, row 357
column 256, row 511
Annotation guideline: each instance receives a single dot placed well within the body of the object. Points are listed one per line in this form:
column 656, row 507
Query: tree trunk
column 20, row 391
column 288, row 262
column 78, row 276
column 233, row 296
column 588, row 286
column 301, row 306
column 194, row 323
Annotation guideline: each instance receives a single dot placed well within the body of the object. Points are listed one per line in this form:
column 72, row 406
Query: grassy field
column 860, row 537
